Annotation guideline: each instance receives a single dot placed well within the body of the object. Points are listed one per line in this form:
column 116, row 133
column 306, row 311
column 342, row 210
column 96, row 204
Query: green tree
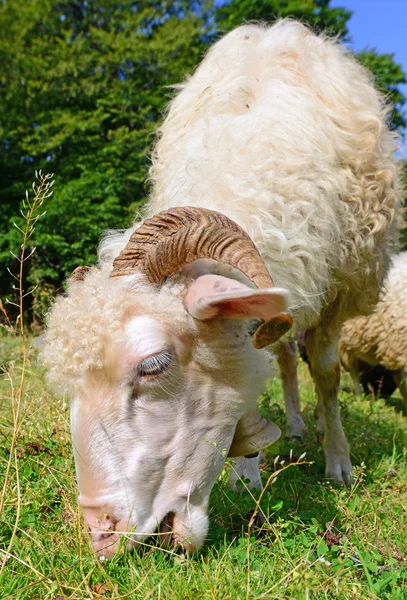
column 84, row 84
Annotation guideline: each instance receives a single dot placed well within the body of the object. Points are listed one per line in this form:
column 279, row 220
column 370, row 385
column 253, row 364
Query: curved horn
column 80, row 273
column 176, row 237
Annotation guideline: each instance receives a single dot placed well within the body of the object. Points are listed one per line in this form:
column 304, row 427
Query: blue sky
column 379, row 24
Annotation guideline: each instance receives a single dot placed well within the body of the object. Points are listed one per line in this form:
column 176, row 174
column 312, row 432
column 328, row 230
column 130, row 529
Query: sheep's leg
column 319, row 415
column 354, row 371
column 400, row 379
column 286, row 352
column 247, row 471
column 322, row 349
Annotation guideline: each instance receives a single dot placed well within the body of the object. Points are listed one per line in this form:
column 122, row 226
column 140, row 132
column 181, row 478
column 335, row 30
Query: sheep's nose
column 102, row 533
column 101, row 527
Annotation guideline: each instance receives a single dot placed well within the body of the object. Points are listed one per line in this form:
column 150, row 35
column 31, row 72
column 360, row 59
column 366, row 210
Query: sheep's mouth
column 166, row 530
column 175, row 535
column 106, row 535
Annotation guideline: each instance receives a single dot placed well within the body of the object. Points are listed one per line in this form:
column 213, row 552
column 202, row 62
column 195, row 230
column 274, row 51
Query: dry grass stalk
column 30, row 213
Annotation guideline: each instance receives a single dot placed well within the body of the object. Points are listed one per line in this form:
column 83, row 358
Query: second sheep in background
column 381, row 337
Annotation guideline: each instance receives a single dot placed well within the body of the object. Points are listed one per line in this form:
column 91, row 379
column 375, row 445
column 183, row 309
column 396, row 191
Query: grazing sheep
column 283, row 132
column 381, row 337
column 373, row 348
column 375, row 380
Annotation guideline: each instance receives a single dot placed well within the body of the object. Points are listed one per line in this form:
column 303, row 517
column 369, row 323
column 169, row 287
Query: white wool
column 284, row 132
column 145, row 336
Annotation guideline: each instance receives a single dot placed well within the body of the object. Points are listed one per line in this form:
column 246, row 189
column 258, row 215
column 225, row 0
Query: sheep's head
column 163, row 375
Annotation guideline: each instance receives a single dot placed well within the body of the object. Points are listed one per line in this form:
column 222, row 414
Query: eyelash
column 154, row 365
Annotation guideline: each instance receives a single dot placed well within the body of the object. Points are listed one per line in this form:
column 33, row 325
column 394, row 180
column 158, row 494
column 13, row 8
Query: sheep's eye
column 155, row 364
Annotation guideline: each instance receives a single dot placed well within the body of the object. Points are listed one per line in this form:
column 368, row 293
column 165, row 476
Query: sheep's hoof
column 296, row 430
column 245, row 475
column 339, row 470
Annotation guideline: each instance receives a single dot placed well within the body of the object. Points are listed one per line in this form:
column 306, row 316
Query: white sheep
column 283, row 132
column 381, row 337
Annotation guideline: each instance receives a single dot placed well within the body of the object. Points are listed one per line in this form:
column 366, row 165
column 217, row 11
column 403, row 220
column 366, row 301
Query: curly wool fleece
column 78, row 326
column 85, row 323
column 284, row 132
column 382, row 336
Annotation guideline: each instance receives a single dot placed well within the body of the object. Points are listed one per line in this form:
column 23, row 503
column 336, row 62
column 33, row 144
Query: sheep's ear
column 216, row 297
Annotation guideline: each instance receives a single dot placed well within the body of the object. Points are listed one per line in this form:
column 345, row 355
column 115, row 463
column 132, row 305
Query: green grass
column 313, row 540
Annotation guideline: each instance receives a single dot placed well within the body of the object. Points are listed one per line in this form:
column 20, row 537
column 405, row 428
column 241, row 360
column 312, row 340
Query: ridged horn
column 176, row 237
column 80, row 273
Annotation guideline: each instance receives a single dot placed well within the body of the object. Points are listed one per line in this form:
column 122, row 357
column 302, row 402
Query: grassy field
column 306, row 540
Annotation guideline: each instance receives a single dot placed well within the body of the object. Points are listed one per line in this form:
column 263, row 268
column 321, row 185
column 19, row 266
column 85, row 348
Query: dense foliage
column 83, row 84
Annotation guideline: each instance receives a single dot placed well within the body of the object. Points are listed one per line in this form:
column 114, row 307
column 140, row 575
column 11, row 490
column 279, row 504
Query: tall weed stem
column 31, row 212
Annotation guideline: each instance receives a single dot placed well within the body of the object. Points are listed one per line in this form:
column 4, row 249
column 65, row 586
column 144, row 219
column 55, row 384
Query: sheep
column 373, row 348
column 381, row 337
column 375, row 380
column 275, row 198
